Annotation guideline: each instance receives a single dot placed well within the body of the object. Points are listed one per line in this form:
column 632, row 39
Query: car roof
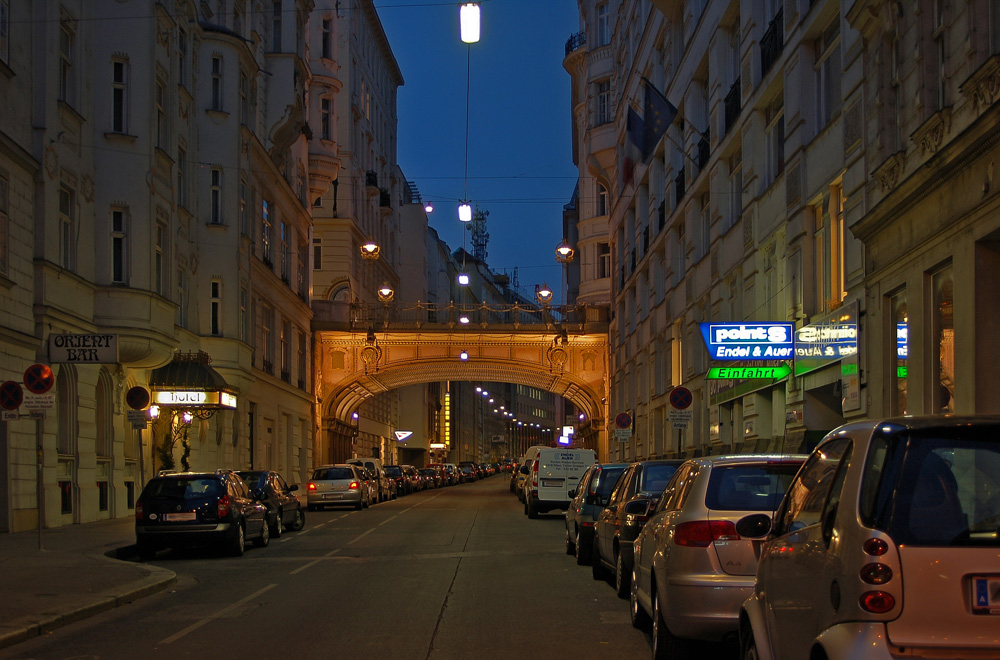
column 744, row 459
column 917, row 422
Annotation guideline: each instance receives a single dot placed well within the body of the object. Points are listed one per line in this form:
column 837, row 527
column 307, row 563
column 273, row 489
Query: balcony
column 268, row 366
column 772, row 43
column 733, row 105
column 286, row 376
column 384, row 198
column 371, row 179
column 578, row 40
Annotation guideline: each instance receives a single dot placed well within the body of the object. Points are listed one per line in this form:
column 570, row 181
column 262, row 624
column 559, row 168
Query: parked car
column 400, row 482
column 381, row 481
column 199, row 509
column 589, row 499
column 283, row 507
column 413, row 479
column 554, row 473
column 692, row 568
column 515, row 476
column 453, row 474
column 431, row 477
column 333, row 485
column 628, row 507
column 468, row 472
column 886, row 543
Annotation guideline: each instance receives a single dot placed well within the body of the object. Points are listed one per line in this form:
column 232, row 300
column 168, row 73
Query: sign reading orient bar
column 83, row 349
column 748, row 341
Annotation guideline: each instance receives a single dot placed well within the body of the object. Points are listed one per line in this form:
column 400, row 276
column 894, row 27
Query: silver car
column 886, row 545
column 337, row 485
column 691, row 569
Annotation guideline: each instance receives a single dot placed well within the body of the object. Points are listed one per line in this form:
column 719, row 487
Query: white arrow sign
column 402, row 435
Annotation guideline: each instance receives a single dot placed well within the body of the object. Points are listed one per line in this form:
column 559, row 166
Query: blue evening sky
column 520, row 165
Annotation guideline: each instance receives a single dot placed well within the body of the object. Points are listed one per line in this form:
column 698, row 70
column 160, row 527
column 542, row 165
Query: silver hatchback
column 691, row 569
column 337, row 485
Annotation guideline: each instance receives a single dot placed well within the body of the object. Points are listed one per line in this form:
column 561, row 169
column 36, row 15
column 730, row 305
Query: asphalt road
column 454, row 573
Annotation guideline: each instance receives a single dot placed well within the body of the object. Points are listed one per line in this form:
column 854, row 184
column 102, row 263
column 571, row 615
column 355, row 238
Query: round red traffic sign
column 38, row 378
column 623, row 420
column 137, row 398
column 11, row 395
column 681, row 398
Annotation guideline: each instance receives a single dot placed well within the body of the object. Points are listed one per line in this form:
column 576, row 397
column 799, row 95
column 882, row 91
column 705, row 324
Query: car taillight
column 224, row 505
column 354, row 485
column 876, row 574
column 138, row 510
column 701, row 533
column 534, row 473
column 875, row 547
column 877, row 602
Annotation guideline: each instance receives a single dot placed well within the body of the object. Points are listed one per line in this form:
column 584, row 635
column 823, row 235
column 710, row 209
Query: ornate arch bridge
column 366, row 349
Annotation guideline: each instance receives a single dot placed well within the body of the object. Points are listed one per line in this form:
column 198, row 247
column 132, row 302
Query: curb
column 157, row 580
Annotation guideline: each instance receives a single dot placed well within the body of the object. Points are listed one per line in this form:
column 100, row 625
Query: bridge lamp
column 428, row 207
column 485, row 393
column 479, row 389
column 468, row 15
column 463, row 279
column 463, row 319
column 465, row 212
column 564, row 252
column 491, row 400
column 370, row 250
column 543, row 294
column 463, row 356
column 385, row 292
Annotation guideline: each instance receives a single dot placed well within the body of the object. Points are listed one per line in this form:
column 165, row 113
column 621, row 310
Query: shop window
column 943, row 347
column 898, row 353
column 66, row 496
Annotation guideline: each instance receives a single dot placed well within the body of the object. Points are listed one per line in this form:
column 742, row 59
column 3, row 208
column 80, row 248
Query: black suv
column 199, row 509
column 283, row 507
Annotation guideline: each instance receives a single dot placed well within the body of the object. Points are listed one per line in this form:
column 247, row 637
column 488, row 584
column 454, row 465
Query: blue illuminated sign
column 749, row 341
column 902, row 336
column 831, row 341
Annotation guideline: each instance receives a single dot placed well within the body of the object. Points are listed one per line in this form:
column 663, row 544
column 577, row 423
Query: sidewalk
column 73, row 576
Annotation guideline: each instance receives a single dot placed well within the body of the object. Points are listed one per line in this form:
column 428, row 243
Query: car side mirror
column 638, row 507
column 293, row 487
column 754, row 526
column 572, row 494
column 524, row 469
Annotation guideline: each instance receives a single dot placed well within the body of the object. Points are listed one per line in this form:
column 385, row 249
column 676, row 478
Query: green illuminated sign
column 900, row 372
column 749, row 373
column 848, row 369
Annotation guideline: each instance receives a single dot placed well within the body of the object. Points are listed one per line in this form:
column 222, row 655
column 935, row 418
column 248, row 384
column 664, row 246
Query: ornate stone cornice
column 983, row 87
column 889, row 172
column 930, row 135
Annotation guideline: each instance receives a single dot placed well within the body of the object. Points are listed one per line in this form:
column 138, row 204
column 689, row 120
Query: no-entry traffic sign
column 38, row 378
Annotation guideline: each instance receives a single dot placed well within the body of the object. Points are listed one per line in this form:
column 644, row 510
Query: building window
column 302, row 360
column 67, row 47
column 243, row 207
column 182, row 54
column 161, row 114
column 265, row 232
column 244, row 99
column 603, row 24
column 182, row 302
column 941, row 57
column 603, row 96
column 735, row 188
column 285, row 341
column 317, row 254
column 244, row 315
column 302, row 256
column 705, row 226
column 943, row 336
column 216, row 197
column 4, row 223
column 284, row 258
column 5, row 31
column 160, row 260
column 276, row 28
column 267, row 338
column 326, row 118
column 119, row 97
column 67, row 228
column 181, row 176
column 603, row 260
column 216, row 101
column 215, row 311
column 775, row 117
column 66, row 497
column 326, row 43
column 119, row 246
column 898, row 353
column 828, row 69
column 68, row 405
column 828, row 239
column 602, row 199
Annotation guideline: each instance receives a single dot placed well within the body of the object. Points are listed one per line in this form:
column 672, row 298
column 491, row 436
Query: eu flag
column 658, row 114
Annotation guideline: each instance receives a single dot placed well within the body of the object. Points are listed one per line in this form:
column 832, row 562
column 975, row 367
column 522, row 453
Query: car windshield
column 251, row 477
column 332, row 474
column 934, row 487
column 194, row 487
column 429, row 471
column 749, row 487
column 609, row 477
column 393, row 471
column 656, row 476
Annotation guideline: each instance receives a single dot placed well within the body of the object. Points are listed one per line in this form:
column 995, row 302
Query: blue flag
column 658, row 114
column 634, row 132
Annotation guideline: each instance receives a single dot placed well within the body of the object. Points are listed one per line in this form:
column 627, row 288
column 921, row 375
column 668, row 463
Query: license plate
column 189, row 515
column 332, row 496
column 552, row 483
column 986, row 595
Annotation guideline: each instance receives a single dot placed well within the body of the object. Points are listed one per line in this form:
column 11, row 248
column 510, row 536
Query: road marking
column 387, row 520
column 361, row 536
column 218, row 615
column 314, row 562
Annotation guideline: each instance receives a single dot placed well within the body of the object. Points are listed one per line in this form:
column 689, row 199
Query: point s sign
column 749, row 341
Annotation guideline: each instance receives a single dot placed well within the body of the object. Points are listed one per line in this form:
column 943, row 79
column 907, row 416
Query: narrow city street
column 442, row 574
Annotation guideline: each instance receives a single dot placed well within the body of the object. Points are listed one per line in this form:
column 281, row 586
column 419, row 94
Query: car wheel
column 298, row 522
column 622, row 577
column 275, row 530
column 749, row 647
column 360, row 505
column 238, row 543
column 570, row 544
column 582, row 553
column 265, row 536
column 638, row 615
column 665, row 645
column 531, row 509
column 596, row 567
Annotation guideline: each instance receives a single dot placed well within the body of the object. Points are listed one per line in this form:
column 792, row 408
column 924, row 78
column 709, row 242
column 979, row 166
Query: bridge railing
column 455, row 316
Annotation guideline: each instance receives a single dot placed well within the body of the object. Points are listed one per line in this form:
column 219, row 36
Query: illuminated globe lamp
column 428, row 207
column 564, row 252
column 463, row 356
column 370, row 250
column 468, row 15
column 463, row 279
column 465, row 212
column 543, row 294
column 385, row 292
column 464, row 320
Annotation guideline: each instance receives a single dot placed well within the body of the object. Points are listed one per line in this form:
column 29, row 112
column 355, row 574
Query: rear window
column 749, row 487
column 655, row 477
column 332, row 474
column 607, row 480
column 393, row 471
column 934, row 487
column 184, row 488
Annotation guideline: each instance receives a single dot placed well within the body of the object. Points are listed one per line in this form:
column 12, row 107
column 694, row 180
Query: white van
column 552, row 475
column 375, row 465
column 524, row 469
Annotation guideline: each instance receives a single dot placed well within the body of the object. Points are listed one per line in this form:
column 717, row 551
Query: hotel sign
column 195, row 398
column 748, row 341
